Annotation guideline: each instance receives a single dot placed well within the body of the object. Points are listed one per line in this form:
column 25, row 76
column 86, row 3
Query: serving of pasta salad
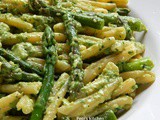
column 70, row 59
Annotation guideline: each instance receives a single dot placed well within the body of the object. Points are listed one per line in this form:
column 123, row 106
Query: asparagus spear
column 129, row 32
column 140, row 64
column 51, row 58
column 11, row 72
column 92, row 21
column 112, row 18
column 76, row 60
column 108, row 115
column 123, row 11
column 134, row 23
column 9, row 55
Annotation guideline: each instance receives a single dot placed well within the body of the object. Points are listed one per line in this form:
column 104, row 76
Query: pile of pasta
column 99, row 64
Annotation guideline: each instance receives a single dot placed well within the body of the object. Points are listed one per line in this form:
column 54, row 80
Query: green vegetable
column 112, row 18
column 140, row 64
column 129, row 32
column 108, row 115
column 134, row 23
column 75, row 56
column 11, row 72
column 25, row 66
column 91, row 21
column 123, row 11
column 51, row 58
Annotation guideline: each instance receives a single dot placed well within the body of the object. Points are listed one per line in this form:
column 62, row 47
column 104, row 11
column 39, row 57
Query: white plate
column 147, row 105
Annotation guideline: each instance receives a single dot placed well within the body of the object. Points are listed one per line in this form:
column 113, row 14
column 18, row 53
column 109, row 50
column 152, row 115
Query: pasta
column 24, row 87
column 16, row 22
column 9, row 101
column 97, row 48
column 126, row 87
column 141, row 77
column 70, row 59
column 26, row 104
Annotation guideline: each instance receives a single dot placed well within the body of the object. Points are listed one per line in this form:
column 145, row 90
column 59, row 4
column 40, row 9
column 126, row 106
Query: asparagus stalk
column 140, row 64
column 51, row 58
column 108, row 115
column 112, row 18
column 91, row 21
column 11, row 72
column 25, row 66
column 129, row 32
column 76, row 60
column 134, row 23
column 123, row 11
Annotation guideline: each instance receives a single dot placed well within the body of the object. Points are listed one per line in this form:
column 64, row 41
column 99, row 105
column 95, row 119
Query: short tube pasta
column 24, row 87
column 97, row 48
column 119, row 32
column 140, row 76
column 9, row 101
column 26, row 104
column 126, row 87
column 16, row 22
column 123, row 102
